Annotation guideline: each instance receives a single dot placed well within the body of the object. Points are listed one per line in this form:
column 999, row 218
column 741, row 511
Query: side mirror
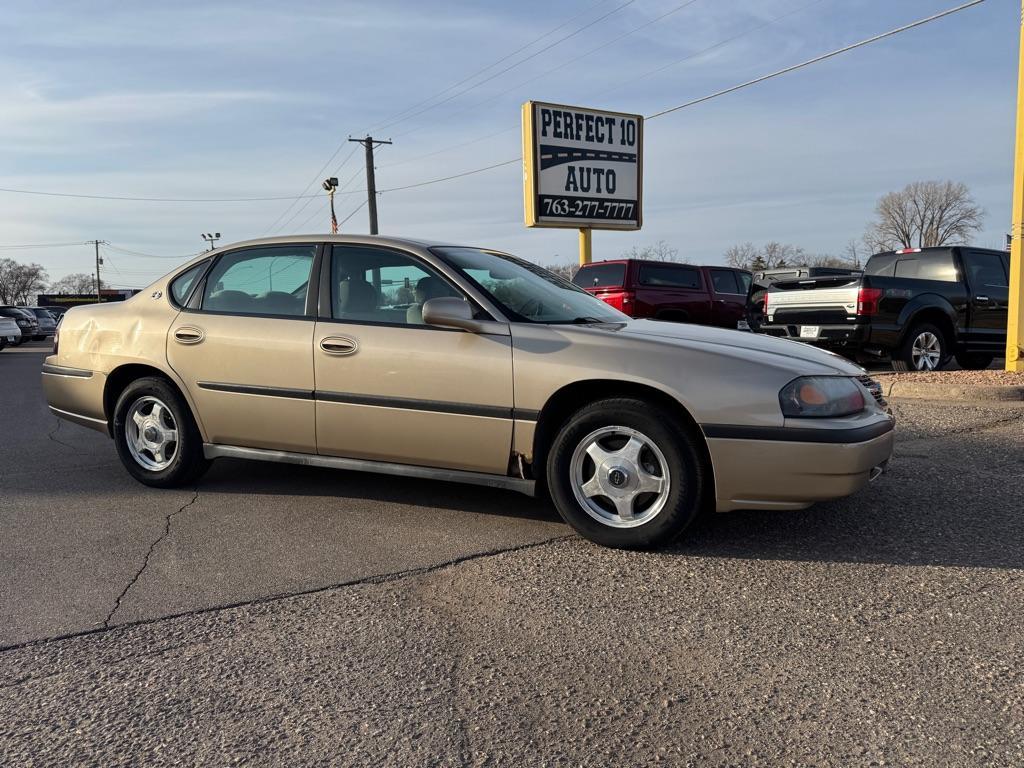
column 449, row 312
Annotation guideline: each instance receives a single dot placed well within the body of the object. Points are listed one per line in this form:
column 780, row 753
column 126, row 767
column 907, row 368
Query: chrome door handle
column 339, row 345
column 189, row 334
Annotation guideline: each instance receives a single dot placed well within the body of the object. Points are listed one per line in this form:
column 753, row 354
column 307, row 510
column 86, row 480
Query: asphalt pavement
column 281, row 615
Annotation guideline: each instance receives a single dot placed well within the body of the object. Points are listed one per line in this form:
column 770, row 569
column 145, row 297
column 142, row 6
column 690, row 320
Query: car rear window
column 928, row 266
column 600, row 275
column 670, row 276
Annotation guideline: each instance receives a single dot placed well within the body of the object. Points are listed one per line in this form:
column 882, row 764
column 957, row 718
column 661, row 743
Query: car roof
column 341, row 239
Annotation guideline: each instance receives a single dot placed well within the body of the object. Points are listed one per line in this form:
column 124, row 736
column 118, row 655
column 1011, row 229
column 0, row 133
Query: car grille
column 874, row 388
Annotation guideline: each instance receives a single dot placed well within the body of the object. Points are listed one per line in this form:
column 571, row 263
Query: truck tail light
column 764, row 303
column 868, row 300
column 624, row 301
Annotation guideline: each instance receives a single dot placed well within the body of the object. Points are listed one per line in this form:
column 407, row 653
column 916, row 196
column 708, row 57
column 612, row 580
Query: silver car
column 10, row 333
column 47, row 322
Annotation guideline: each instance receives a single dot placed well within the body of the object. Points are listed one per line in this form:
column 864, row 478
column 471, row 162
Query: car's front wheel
column 156, row 437
column 625, row 473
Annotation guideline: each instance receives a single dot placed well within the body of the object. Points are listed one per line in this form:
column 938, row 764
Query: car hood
column 684, row 334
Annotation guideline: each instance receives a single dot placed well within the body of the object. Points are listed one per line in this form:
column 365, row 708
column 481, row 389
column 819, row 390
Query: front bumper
column 75, row 394
column 758, row 473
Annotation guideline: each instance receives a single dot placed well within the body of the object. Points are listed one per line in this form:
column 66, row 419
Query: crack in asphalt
column 381, row 578
column 52, row 434
column 149, row 553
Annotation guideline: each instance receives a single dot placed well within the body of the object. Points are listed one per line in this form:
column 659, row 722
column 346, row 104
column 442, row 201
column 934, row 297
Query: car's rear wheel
column 924, row 349
column 625, row 473
column 156, row 437
column 974, row 361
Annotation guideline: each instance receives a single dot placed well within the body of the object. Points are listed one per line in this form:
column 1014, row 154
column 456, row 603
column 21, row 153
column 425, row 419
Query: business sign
column 582, row 167
column 80, row 299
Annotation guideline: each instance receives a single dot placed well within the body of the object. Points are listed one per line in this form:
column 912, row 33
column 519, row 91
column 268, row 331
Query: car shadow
column 251, row 477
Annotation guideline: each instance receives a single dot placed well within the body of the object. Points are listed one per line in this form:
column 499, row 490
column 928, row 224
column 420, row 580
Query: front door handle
column 189, row 334
column 339, row 345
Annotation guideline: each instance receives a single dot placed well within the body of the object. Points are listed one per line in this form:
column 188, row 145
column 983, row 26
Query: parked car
column 309, row 350
column 26, row 321
column 47, row 322
column 762, row 279
column 917, row 306
column 666, row 291
column 10, row 331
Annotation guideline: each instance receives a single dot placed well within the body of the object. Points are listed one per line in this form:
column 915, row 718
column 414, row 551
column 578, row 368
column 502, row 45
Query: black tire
column 685, row 468
column 974, row 361
column 187, row 463
column 903, row 357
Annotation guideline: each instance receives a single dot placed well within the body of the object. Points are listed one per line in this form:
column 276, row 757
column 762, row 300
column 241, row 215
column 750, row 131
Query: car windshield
column 526, row 292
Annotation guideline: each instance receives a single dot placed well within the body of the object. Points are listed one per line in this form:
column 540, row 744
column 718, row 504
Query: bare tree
column 853, row 252
column 743, row 256
column 924, row 214
column 562, row 270
column 77, row 282
column 19, row 283
column 771, row 256
column 660, row 251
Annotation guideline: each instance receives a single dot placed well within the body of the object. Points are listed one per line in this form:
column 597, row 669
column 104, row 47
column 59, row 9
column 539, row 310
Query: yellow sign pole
column 1015, row 320
column 587, row 241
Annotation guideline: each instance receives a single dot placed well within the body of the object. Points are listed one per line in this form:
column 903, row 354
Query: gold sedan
column 463, row 364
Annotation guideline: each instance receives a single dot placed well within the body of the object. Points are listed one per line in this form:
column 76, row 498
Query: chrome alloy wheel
column 620, row 477
column 151, row 434
column 926, row 351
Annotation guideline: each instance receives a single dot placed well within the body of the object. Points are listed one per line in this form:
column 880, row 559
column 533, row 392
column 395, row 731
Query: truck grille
column 874, row 388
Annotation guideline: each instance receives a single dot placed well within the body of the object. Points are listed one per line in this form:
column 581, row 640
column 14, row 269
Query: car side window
column 724, row 281
column 670, row 276
column 269, row 280
column 984, row 270
column 182, row 285
column 745, row 279
column 379, row 285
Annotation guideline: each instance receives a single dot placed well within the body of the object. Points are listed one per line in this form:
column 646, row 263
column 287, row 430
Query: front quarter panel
column 716, row 385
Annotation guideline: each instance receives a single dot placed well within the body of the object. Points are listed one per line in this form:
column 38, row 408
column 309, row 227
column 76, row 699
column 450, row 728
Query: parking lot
column 289, row 615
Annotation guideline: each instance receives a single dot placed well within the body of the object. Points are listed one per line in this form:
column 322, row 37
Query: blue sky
column 222, row 99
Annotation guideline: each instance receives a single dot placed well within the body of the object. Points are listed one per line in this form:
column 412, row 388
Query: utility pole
column 99, row 260
column 1015, row 318
column 371, row 183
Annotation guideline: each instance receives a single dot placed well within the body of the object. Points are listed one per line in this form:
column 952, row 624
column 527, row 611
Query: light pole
column 211, row 238
column 331, row 184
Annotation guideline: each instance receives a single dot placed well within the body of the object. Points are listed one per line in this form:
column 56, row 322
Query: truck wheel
column 626, row 474
column 974, row 361
column 923, row 349
column 156, row 437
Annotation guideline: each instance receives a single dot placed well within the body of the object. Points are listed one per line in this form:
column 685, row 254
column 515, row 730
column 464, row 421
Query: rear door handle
column 339, row 345
column 189, row 334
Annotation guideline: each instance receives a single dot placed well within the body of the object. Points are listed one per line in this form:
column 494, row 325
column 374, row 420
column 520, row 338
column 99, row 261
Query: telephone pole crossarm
column 371, row 182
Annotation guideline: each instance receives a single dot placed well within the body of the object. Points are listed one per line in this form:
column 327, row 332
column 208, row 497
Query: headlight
column 821, row 397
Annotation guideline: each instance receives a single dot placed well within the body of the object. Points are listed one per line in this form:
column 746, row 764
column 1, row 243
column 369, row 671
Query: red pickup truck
column 666, row 291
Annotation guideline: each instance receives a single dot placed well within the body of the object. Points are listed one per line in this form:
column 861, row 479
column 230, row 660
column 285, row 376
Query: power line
column 493, row 64
column 560, row 67
column 129, row 252
column 155, row 199
column 621, row 83
column 316, row 178
column 339, row 191
column 500, row 72
column 816, row 59
column 27, row 246
column 449, row 178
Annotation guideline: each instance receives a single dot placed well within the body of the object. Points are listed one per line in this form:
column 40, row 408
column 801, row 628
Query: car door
column 243, row 346
column 391, row 388
column 729, row 299
column 989, row 298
